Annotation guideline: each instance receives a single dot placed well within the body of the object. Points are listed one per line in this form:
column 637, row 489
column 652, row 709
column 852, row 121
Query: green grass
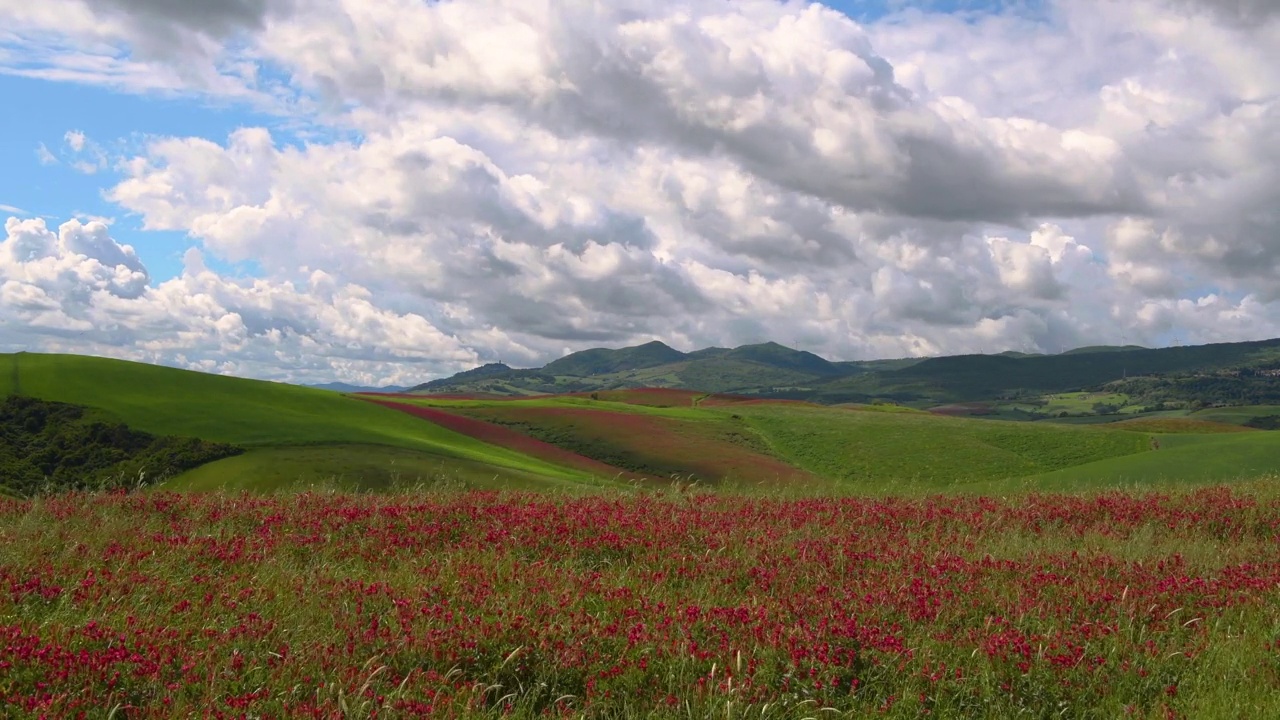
column 873, row 449
column 351, row 468
column 249, row 413
column 1074, row 403
column 1236, row 415
column 1182, row 460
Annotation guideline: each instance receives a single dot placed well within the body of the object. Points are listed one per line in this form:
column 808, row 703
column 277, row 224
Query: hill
column 964, row 378
column 602, row 361
column 489, row 370
column 1103, row 349
column 773, row 355
column 50, row 447
column 267, row 419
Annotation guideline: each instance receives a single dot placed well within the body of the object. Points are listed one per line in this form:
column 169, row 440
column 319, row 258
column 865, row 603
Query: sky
column 385, row 193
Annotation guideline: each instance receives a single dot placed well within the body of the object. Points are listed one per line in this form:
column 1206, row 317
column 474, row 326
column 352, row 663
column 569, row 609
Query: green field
column 354, row 468
column 876, row 449
column 1236, row 415
column 1181, row 460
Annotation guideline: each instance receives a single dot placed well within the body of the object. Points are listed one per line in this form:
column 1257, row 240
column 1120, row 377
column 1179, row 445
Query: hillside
column 50, row 447
column 269, row 420
column 978, row 377
column 602, row 361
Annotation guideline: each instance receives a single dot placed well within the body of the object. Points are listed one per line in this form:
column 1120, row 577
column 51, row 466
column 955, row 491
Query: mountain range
column 776, row 371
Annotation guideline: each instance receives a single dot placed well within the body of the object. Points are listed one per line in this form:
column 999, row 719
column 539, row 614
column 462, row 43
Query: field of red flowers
column 646, row 604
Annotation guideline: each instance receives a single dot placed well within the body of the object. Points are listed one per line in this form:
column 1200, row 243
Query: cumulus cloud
column 80, row 289
column 534, row 177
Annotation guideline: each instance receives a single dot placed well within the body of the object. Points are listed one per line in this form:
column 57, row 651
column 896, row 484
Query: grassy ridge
column 244, row 412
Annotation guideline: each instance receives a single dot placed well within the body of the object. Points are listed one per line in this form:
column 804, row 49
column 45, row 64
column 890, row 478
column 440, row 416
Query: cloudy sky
column 387, row 192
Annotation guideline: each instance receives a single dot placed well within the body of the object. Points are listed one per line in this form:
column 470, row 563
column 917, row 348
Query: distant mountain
column 784, row 358
column 601, row 361
column 960, row 378
column 489, row 370
column 1103, row 349
column 345, row 388
column 773, row 370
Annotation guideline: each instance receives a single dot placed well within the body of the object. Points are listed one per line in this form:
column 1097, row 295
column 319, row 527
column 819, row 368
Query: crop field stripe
column 709, row 446
column 504, row 437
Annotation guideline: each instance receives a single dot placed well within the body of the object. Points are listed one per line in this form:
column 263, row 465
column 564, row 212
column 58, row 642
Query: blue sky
column 119, row 122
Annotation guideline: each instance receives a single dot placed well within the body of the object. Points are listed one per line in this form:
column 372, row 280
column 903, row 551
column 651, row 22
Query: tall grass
column 678, row 603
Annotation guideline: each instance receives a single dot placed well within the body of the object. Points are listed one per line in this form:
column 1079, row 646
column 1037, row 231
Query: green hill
column 49, row 447
column 601, row 361
column 784, row 358
column 1103, row 349
column 963, row 378
column 249, row 413
column 295, row 436
column 879, row 450
column 490, row 370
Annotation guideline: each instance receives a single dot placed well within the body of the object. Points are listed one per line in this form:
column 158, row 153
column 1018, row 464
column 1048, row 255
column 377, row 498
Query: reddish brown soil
column 1179, row 425
column 447, row 396
column 962, row 409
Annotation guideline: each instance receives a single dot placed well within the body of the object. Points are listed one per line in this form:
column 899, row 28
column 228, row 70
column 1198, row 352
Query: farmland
column 641, row 605
column 286, row 437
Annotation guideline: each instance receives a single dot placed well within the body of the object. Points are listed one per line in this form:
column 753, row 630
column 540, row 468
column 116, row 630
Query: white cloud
column 79, row 288
column 45, row 156
column 75, row 140
column 534, row 176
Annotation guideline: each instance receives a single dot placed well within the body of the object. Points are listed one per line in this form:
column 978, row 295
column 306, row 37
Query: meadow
column 668, row 604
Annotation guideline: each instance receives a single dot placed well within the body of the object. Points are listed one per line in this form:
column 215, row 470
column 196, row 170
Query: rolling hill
column 299, row 437
column 270, row 420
